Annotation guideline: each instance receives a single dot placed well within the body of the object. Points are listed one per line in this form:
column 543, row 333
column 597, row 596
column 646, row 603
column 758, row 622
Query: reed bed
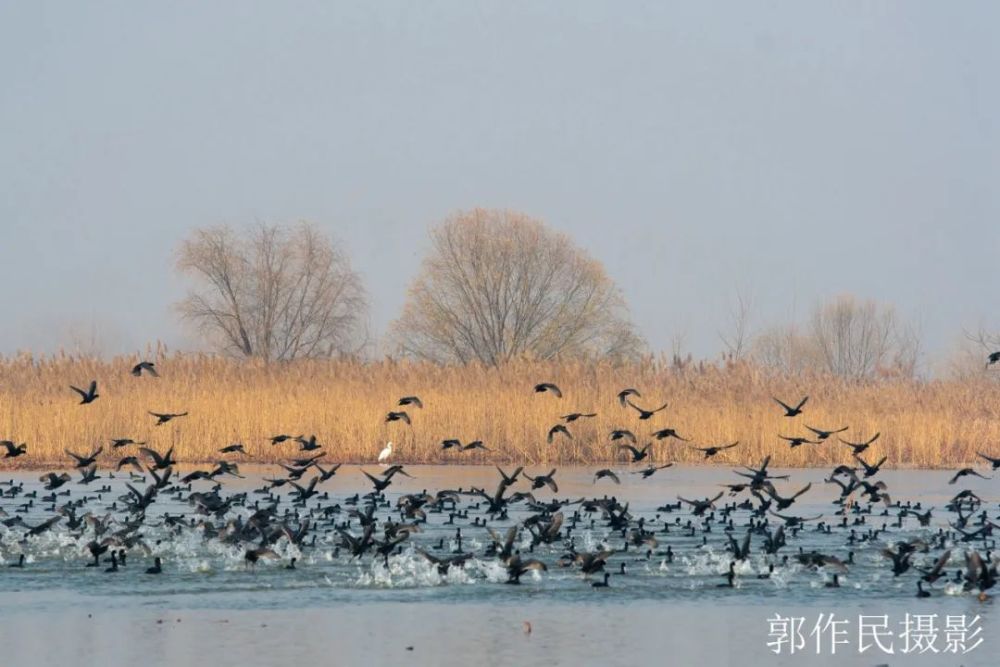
column 926, row 424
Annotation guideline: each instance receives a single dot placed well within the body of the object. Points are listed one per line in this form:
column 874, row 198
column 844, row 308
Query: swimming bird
column 386, row 452
column 789, row 410
column 921, row 593
column 157, row 567
column 163, row 417
column 601, row 584
column 548, row 386
column 147, row 366
column 88, row 396
column 19, row 563
column 730, row 576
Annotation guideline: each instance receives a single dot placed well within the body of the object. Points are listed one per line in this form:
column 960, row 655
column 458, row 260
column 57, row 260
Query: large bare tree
column 498, row 284
column 272, row 292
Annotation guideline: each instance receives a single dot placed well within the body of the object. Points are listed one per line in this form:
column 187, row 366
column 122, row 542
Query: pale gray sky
column 794, row 149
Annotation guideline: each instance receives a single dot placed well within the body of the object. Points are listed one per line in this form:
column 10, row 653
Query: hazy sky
column 795, row 150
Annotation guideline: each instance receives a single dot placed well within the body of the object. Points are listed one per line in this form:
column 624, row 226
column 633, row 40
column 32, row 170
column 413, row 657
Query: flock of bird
column 521, row 526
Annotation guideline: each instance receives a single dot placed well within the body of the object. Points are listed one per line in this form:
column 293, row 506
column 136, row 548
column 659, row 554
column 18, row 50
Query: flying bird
column 789, row 410
column 823, row 435
column 601, row 474
column 643, row 413
column 88, row 396
column 164, row 417
column 667, row 433
column 573, row 416
column 625, row 393
column 712, row 451
column 147, row 366
column 993, row 462
column 558, row 428
column 398, row 416
column 965, row 472
column 548, row 386
column 860, row 447
column 411, row 400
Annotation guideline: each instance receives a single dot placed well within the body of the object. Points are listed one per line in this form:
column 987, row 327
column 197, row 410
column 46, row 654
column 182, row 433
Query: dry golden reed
column 923, row 423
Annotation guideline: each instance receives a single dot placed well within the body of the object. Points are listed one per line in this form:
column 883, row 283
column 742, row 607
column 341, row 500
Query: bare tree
column 786, row 349
column 738, row 338
column 498, row 284
column 272, row 292
column 845, row 337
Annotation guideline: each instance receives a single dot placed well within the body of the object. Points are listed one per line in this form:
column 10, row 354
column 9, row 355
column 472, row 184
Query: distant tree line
column 495, row 285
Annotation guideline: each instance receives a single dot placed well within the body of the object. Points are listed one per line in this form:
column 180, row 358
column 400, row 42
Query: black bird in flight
column 164, row 417
column 625, row 393
column 637, row 454
column 994, row 462
column 88, row 396
column 823, row 435
column 558, row 428
column 798, row 442
column 964, row 472
column 84, row 461
column 411, row 400
column 13, row 450
column 398, row 416
column 548, row 386
column 645, row 414
column 789, row 410
column 712, row 451
column 993, row 359
column 601, row 474
column 147, row 366
column 573, row 416
column 860, row 447
column 668, row 433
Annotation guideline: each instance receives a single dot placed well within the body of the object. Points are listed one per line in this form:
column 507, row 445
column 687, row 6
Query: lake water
column 209, row 606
